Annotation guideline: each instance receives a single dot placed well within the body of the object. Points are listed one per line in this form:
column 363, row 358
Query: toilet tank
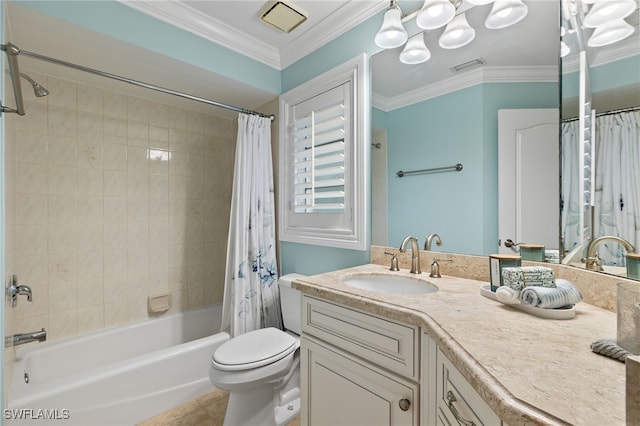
column 290, row 303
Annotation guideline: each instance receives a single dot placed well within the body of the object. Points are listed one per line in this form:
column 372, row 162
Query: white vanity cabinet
column 357, row 368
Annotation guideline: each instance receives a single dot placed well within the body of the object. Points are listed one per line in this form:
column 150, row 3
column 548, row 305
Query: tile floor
column 206, row 410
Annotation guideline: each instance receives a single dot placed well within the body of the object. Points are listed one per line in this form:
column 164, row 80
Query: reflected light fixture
column 435, row 13
column 392, row 33
column 605, row 11
column 415, row 51
column 457, row 34
column 505, row 13
column 610, row 33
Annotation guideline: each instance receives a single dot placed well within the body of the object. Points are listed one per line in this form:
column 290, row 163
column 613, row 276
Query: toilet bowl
column 261, row 368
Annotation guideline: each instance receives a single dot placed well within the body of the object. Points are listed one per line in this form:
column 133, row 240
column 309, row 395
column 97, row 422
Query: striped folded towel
column 523, row 276
column 564, row 294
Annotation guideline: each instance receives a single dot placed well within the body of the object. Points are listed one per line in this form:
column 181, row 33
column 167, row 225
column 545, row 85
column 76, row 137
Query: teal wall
column 121, row 22
column 459, row 127
column 604, row 77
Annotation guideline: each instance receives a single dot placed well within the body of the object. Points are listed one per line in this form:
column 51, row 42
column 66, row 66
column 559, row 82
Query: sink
column 390, row 284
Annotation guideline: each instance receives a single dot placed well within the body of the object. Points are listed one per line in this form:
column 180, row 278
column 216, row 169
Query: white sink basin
column 390, row 284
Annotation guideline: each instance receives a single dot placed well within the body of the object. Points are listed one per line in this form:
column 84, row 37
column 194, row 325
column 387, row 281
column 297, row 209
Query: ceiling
column 530, row 48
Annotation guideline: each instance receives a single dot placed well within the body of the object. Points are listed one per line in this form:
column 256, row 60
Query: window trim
column 356, row 72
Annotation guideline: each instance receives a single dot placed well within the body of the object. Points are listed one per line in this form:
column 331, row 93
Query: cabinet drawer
column 457, row 400
column 387, row 343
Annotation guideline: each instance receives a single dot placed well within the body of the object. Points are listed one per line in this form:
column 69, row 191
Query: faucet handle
column 394, row 261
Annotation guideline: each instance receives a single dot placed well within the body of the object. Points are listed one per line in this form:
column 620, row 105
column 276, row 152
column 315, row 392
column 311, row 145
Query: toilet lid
column 255, row 349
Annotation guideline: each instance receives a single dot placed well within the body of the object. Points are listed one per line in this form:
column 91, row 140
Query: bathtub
column 117, row 376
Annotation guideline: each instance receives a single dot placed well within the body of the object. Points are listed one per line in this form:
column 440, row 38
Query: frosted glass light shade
column 564, row 49
column 415, row 51
column 392, row 33
column 610, row 33
column 435, row 13
column 605, row 11
column 457, row 34
column 505, row 13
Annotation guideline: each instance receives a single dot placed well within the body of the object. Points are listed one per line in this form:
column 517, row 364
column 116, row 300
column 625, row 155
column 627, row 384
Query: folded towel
column 520, row 277
column 564, row 294
column 507, row 295
column 610, row 348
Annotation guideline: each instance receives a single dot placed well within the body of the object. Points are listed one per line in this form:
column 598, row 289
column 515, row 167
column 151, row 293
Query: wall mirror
column 460, row 207
column 600, row 91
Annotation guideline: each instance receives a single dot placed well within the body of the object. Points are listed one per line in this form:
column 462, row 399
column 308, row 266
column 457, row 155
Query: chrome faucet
column 593, row 261
column 415, row 253
column 430, row 238
column 22, row 338
column 14, row 290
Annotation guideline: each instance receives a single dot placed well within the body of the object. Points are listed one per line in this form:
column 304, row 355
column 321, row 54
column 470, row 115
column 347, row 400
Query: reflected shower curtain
column 570, row 207
column 617, row 183
column 251, row 297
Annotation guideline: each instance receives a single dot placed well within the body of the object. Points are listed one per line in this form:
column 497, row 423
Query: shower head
column 38, row 90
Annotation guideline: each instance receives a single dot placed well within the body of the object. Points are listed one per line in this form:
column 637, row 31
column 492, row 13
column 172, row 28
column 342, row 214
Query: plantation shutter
column 320, row 152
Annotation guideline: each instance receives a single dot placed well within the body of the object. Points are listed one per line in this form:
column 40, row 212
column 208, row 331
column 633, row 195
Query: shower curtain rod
column 600, row 114
column 13, row 51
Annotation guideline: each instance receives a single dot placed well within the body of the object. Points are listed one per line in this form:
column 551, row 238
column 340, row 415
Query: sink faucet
column 415, row 253
column 430, row 238
column 592, row 261
column 22, row 338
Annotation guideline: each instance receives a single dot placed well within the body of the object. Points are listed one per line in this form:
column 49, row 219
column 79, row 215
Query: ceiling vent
column 469, row 64
column 283, row 15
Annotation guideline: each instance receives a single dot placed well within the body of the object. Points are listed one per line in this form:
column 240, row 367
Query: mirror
column 444, row 112
column 422, row 119
column 600, row 91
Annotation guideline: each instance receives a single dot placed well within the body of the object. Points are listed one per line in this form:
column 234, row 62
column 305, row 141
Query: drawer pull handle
column 404, row 404
column 450, row 400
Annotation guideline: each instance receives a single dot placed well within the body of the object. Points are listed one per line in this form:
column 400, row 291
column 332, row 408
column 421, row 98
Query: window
column 324, row 133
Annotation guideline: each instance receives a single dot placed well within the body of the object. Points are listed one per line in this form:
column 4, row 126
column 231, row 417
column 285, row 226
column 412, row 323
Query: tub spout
column 22, row 338
column 592, row 261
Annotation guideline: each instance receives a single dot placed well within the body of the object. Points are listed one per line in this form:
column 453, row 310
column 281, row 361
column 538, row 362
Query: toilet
column 261, row 368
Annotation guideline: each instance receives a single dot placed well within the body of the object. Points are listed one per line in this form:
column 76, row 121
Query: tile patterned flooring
column 206, row 410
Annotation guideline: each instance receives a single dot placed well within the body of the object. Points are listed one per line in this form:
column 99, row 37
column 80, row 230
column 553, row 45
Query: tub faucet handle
column 14, row 290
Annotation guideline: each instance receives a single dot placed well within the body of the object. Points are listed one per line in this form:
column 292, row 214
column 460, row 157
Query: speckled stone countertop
column 528, row 369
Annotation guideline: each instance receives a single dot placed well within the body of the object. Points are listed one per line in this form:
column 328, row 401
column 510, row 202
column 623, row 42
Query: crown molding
column 182, row 16
column 468, row 79
column 347, row 17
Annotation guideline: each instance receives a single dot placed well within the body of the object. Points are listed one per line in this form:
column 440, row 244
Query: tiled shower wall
column 114, row 198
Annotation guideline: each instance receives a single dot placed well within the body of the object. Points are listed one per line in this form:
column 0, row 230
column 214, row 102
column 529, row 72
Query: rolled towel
column 507, row 295
column 564, row 294
column 520, row 277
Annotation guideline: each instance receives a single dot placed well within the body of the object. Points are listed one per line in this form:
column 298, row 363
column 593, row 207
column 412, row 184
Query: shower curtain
column 617, row 180
column 251, row 297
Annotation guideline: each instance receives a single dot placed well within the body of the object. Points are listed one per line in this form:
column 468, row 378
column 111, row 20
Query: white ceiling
column 527, row 50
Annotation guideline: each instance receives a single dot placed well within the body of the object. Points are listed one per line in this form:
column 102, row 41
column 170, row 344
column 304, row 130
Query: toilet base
column 259, row 407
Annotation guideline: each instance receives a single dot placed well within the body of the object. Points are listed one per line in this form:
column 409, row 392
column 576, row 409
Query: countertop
column 529, row 370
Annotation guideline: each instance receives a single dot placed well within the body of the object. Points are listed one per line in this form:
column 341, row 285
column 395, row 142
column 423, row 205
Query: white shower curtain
column 570, row 207
column 617, row 183
column 251, row 297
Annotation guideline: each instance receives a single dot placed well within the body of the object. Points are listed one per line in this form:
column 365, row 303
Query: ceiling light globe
column 605, row 11
column 415, row 52
column 610, row 33
column 457, row 34
column 505, row 13
column 392, row 33
column 434, row 14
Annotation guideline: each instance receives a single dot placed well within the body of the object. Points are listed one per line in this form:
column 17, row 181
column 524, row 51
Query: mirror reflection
column 428, row 115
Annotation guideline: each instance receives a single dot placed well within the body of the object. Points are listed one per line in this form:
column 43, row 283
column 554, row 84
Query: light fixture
column 282, row 15
column 479, row 2
column 610, row 33
column 415, row 51
column 435, row 13
column 604, row 11
column 457, row 34
column 392, row 33
column 505, row 13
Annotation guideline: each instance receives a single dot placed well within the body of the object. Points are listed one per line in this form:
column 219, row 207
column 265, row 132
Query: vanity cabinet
column 357, row 368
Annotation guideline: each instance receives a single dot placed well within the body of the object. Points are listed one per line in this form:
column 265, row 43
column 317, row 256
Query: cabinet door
column 338, row 390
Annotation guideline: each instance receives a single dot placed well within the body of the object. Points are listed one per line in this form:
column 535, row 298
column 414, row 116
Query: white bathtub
column 118, row 376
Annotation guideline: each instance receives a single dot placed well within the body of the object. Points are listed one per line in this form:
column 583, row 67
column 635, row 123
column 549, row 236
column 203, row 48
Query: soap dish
column 564, row 313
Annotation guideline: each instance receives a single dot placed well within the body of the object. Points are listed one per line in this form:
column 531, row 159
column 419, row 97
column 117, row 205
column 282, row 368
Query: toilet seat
column 254, row 349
